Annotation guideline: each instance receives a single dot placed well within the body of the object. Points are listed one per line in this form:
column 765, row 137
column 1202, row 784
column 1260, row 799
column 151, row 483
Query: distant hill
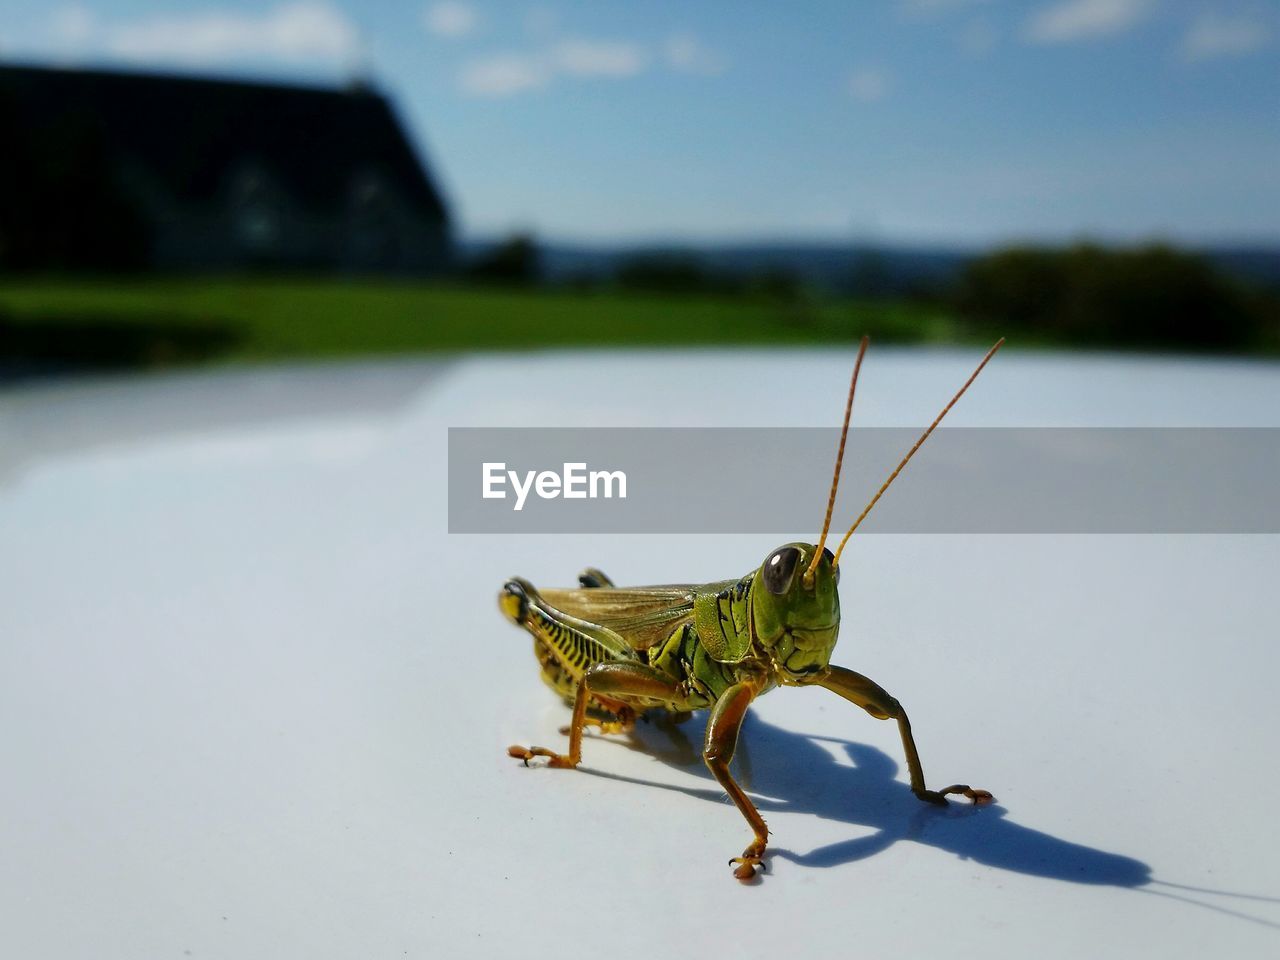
column 838, row 267
column 825, row 265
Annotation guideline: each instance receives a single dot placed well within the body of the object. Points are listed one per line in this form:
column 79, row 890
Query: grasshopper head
column 797, row 617
column 796, row 607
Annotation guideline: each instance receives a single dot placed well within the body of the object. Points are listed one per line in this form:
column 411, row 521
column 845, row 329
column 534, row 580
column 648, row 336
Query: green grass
column 272, row 319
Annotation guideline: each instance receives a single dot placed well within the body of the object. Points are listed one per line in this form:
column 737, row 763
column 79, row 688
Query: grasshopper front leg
column 721, row 741
column 612, row 680
column 874, row 699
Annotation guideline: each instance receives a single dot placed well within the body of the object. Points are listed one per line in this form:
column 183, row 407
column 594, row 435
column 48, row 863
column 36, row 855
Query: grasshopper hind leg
column 608, row 682
column 601, row 677
column 608, row 716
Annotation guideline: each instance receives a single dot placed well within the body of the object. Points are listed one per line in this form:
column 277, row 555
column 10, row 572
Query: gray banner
column 767, row 480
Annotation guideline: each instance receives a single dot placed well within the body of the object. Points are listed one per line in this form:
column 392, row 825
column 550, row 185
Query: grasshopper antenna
column 835, row 478
column 912, row 452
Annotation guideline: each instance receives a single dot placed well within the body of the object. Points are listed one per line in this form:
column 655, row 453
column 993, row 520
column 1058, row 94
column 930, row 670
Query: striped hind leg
column 608, row 716
column 624, row 720
column 566, row 647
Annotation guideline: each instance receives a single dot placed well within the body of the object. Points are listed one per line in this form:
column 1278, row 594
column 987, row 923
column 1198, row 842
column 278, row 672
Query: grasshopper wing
column 642, row 616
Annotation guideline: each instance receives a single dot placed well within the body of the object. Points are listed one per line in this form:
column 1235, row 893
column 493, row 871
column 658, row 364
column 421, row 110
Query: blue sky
column 916, row 121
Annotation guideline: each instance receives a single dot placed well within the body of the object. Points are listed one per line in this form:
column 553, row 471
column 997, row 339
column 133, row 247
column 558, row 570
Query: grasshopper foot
column 528, row 753
column 939, row 797
column 751, row 858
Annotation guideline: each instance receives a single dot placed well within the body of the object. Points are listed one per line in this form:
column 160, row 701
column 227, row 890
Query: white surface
column 254, row 700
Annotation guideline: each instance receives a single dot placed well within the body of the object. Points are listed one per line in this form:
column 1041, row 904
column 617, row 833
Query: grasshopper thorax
column 797, row 618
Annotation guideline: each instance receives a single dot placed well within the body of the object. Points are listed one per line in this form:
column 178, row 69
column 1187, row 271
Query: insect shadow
column 797, row 773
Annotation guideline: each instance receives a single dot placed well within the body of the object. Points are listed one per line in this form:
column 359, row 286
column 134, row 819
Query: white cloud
column 1215, row 36
column 597, row 58
column 685, row 53
column 449, row 18
column 869, row 84
column 305, row 31
column 1071, row 20
column 505, row 75
column 509, row 74
column 570, row 58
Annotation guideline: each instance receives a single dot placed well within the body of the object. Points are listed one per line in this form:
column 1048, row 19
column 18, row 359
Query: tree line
column 1147, row 296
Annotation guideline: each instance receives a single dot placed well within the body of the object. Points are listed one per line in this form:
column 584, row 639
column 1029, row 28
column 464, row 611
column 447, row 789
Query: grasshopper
column 616, row 653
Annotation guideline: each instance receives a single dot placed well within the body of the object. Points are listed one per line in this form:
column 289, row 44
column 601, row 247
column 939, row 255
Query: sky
column 958, row 122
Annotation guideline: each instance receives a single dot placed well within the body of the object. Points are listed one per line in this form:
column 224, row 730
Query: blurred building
column 104, row 170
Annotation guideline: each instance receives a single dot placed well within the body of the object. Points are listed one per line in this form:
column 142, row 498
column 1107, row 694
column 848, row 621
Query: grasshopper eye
column 832, row 560
column 780, row 569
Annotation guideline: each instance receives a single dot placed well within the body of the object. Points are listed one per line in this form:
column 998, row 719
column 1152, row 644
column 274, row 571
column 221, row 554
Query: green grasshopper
column 618, row 652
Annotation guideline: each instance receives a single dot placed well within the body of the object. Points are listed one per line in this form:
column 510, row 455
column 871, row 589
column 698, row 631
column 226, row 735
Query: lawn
column 150, row 321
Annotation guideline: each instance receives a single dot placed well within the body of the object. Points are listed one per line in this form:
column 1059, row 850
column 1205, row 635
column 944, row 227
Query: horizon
column 911, row 124
column 943, row 246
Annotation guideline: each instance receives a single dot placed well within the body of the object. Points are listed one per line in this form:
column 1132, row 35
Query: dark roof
column 189, row 132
